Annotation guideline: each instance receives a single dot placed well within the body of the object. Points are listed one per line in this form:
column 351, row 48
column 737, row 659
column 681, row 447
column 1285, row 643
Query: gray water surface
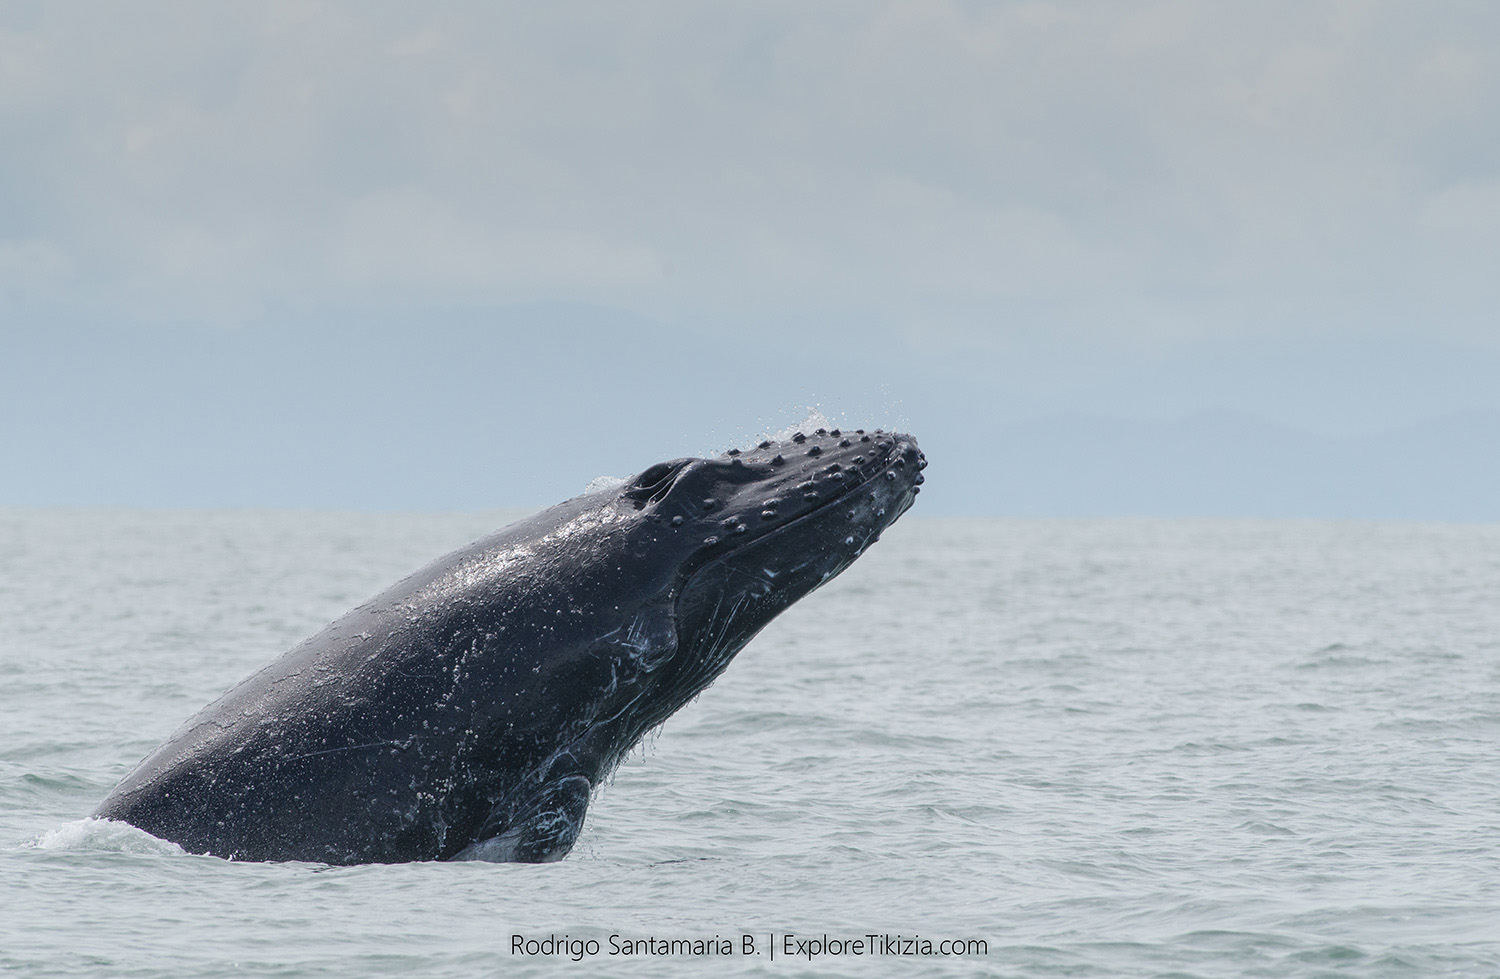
column 1102, row 748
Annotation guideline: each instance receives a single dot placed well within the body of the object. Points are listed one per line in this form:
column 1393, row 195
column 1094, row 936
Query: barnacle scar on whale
column 468, row 711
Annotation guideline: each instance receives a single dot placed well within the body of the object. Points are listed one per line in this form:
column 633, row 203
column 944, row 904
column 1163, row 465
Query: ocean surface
column 1074, row 748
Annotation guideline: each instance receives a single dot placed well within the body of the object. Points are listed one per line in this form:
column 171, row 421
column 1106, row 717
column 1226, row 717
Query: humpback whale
column 468, row 711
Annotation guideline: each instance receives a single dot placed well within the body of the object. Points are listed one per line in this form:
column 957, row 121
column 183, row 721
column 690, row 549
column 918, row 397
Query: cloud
column 420, row 242
column 1127, row 171
column 31, row 271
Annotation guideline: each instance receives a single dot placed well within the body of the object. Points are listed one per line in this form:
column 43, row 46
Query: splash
column 104, row 836
column 600, row 483
column 815, row 420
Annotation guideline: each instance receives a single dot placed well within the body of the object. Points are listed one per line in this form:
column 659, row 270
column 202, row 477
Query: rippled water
column 1102, row 748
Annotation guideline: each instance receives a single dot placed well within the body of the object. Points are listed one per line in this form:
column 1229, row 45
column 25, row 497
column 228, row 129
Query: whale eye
column 654, row 483
column 654, row 475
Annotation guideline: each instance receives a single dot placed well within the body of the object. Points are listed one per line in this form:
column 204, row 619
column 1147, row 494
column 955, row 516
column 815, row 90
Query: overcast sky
column 683, row 222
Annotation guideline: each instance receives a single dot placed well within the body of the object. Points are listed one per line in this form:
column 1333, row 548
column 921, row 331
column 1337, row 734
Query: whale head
column 757, row 529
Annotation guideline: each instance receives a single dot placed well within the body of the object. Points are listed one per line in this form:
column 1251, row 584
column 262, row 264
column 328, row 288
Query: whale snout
column 746, row 494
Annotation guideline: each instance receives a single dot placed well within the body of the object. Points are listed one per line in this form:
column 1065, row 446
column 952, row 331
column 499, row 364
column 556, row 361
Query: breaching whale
column 468, row 711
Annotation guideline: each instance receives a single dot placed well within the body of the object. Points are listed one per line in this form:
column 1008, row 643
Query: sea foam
column 104, row 835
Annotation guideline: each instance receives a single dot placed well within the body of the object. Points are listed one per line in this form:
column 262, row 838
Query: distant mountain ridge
column 1224, row 464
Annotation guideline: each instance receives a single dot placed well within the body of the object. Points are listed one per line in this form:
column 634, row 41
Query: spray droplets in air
column 815, row 420
column 601, row 483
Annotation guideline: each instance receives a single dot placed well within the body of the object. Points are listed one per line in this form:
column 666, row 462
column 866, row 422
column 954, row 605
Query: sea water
column 1044, row 748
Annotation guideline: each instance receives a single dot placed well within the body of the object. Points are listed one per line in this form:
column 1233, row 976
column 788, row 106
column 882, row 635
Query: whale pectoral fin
column 545, row 833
